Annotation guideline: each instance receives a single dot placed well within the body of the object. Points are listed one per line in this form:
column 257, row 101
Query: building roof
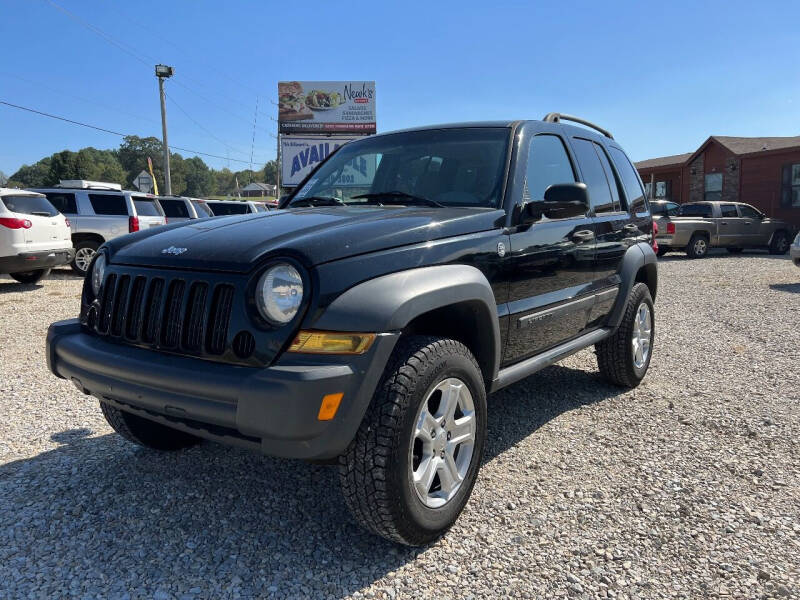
column 664, row 161
column 748, row 145
column 256, row 186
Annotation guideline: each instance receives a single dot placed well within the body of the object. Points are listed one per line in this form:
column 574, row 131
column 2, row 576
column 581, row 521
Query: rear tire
column 623, row 361
column 146, row 433
column 406, row 475
column 84, row 253
column 30, row 276
column 779, row 244
column 698, row 246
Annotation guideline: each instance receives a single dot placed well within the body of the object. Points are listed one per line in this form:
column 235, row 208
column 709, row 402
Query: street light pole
column 164, row 72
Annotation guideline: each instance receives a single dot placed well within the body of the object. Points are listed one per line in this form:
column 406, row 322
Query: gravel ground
column 685, row 487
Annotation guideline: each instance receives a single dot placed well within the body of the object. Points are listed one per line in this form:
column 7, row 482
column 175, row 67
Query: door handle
column 584, row 235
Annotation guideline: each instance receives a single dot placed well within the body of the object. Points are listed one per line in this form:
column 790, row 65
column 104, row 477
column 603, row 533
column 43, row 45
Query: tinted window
column 260, row 208
column 728, row 210
column 29, row 205
column 548, row 164
column 174, row 208
column 630, row 180
column 696, row 210
column 594, row 176
column 611, row 176
column 108, row 204
column 203, row 209
column 664, row 209
column 749, row 212
column 145, row 207
column 65, row 203
column 229, row 208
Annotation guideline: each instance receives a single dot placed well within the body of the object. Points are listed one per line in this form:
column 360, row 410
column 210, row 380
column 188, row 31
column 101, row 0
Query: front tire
column 84, row 253
column 411, row 467
column 30, row 276
column 624, row 357
column 779, row 244
column 145, row 432
column 698, row 246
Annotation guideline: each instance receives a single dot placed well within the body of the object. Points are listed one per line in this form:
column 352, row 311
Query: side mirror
column 561, row 201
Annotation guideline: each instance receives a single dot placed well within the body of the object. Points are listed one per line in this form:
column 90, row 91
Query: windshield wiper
column 317, row 201
column 396, row 197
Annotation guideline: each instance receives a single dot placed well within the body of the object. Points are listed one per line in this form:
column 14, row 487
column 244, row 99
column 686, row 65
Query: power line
column 112, row 132
column 188, row 116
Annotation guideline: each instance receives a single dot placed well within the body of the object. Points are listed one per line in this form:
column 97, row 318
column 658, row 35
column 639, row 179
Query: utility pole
column 164, row 72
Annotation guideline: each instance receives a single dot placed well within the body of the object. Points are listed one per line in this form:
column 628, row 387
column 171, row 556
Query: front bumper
column 31, row 261
column 272, row 409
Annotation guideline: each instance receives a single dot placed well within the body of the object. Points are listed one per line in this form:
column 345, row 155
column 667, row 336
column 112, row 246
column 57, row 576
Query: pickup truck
column 734, row 226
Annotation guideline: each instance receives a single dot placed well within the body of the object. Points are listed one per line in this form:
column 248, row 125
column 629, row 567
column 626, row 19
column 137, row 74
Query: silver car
column 183, row 208
column 99, row 212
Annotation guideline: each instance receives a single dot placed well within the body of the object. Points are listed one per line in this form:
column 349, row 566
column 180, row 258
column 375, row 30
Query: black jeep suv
column 407, row 277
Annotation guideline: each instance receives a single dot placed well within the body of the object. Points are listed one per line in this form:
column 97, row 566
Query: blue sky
column 661, row 77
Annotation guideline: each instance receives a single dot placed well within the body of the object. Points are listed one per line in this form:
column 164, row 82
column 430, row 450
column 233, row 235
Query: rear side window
column 548, row 164
column 664, row 209
column 203, row 209
column 65, row 203
column 696, row 210
column 146, row 207
column 234, row 208
column 594, row 176
column 108, row 204
column 728, row 210
column 630, row 180
column 748, row 212
column 29, row 205
column 174, row 209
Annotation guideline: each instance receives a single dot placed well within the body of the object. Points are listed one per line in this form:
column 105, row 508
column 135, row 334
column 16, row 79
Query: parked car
column 368, row 327
column 34, row 236
column 182, row 208
column 100, row 212
column 794, row 251
column 222, row 208
column 731, row 225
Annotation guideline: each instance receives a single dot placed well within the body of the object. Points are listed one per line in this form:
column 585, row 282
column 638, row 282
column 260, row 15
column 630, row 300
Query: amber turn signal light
column 332, row 342
column 329, row 406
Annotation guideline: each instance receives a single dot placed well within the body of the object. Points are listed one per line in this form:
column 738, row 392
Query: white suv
column 34, row 236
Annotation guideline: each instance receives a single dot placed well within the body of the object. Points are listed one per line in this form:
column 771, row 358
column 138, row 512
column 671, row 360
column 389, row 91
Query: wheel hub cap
column 642, row 334
column 442, row 442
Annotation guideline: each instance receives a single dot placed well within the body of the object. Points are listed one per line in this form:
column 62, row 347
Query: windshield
column 146, row 208
column 29, row 205
column 447, row 167
column 202, row 209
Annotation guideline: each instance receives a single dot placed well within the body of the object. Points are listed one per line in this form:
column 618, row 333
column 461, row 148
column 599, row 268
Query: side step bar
column 529, row 366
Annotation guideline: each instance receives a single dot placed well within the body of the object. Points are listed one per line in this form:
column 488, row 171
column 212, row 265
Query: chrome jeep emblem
column 501, row 249
column 174, row 251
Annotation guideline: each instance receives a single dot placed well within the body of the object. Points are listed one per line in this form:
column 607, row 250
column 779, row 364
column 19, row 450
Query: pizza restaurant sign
column 299, row 155
column 343, row 107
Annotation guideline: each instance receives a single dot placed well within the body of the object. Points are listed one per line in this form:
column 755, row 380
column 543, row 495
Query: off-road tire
column 81, row 246
column 779, row 244
column 615, row 353
column 734, row 250
column 146, row 433
column 696, row 252
column 30, row 276
column 374, row 470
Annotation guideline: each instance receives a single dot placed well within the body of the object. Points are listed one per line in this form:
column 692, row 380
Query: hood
column 313, row 235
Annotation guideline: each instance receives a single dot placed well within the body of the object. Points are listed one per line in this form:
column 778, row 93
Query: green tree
column 35, row 175
column 271, row 172
column 199, row 178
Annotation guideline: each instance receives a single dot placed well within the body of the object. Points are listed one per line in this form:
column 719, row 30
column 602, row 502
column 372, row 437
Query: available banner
column 343, row 107
column 299, row 155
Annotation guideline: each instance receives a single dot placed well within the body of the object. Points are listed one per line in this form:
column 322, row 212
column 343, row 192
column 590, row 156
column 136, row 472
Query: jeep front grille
column 169, row 313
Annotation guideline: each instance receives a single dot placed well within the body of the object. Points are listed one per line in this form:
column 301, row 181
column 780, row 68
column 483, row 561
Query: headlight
column 98, row 271
column 279, row 293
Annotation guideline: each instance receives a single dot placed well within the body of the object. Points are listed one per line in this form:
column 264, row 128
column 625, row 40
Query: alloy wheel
column 642, row 333
column 83, row 258
column 700, row 246
column 442, row 442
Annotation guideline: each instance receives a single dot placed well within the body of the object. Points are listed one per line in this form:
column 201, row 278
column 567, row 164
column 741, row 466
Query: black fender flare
column 390, row 302
column 636, row 257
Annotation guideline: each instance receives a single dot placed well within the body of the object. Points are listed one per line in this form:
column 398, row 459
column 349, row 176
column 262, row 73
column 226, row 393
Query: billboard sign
column 299, row 155
column 344, row 107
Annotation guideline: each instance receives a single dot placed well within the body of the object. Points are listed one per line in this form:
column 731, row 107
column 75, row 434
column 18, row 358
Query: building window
column 713, row 187
column 790, row 190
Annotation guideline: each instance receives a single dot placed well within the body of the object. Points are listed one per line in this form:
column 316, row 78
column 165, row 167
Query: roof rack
column 554, row 117
column 83, row 184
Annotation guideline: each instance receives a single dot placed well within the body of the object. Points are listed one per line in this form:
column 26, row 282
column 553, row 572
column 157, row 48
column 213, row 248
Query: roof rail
column 554, row 117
